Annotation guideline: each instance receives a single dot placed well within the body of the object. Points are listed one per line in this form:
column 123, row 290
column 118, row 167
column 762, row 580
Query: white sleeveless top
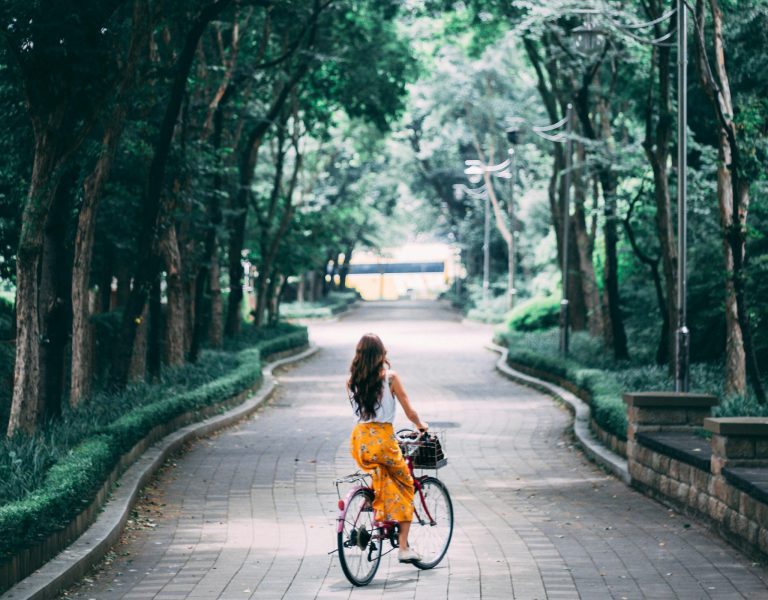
column 385, row 413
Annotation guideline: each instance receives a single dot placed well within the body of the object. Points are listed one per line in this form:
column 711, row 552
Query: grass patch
column 48, row 478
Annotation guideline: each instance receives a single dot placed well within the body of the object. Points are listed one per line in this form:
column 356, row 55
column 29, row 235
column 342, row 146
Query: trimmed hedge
column 332, row 304
column 71, row 484
column 534, row 314
column 604, row 388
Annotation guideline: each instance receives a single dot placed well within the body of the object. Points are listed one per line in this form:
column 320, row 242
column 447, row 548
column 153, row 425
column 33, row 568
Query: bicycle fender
column 343, row 511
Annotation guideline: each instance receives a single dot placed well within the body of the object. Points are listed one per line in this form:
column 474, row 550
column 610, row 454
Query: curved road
column 249, row 513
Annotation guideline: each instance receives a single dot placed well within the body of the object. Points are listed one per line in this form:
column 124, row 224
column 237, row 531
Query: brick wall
column 722, row 480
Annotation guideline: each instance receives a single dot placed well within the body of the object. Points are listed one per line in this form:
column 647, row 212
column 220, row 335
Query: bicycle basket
column 429, row 454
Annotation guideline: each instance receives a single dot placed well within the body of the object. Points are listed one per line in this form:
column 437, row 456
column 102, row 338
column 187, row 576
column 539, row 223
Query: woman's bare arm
column 399, row 391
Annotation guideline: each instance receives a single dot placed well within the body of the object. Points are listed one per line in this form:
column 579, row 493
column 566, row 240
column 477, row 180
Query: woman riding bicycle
column 372, row 389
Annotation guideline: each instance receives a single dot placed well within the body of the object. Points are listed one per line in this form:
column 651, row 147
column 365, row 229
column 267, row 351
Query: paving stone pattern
column 249, row 513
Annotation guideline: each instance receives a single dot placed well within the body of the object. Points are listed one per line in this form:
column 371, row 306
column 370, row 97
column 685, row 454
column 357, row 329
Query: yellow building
column 416, row 270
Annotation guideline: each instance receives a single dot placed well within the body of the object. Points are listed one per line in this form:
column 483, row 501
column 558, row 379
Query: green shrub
column 332, row 304
column 534, row 314
column 593, row 369
column 493, row 310
column 539, row 351
column 739, row 406
column 68, row 488
column 49, row 478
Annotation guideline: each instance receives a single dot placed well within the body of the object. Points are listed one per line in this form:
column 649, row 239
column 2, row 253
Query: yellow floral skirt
column 375, row 449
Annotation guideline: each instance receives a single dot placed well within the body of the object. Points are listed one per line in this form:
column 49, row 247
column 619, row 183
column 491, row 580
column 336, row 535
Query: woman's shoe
column 408, row 555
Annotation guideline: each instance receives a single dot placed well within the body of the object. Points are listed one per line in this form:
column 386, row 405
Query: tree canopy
column 169, row 168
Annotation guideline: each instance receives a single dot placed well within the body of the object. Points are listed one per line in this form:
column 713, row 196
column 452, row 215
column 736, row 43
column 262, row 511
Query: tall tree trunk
column 274, row 301
column 270, row 296
column 148, row 263
column 54, row 307
column 344, row 269
column 737, row 239
column 733, row 201
column 247, row 164
column 735, row 359
column 42, row 190
column 137, row 369
column 581, row 305
column 577, row 305
column 81, row 372
column 668, row 260
column 266, row 266
column 82, row 333
column 656, row 146
column 585, row 246
column 216, row 325
column 236, row 242
column 175, row 315
column 616, row 337
column 207, row 322
column 155, row 331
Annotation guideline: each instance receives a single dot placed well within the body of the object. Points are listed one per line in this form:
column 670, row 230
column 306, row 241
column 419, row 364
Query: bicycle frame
column 384, row 527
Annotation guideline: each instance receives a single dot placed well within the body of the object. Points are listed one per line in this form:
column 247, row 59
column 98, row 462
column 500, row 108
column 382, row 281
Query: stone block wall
column 723, row 481
column 609, row 440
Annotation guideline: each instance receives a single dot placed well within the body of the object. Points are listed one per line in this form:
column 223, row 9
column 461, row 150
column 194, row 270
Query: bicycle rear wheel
column 359, row 550
column 432, row 526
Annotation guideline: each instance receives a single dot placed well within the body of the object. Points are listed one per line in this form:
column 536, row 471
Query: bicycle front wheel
column 432, row 526
column 358, row 541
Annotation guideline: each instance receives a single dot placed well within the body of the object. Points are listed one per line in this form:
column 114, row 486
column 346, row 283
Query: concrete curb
column 73, row 562
column 604, row 457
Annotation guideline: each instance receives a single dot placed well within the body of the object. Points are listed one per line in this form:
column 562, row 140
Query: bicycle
column 360, row 538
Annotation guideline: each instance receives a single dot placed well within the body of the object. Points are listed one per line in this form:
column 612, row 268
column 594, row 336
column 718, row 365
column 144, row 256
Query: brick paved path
column 249, row 513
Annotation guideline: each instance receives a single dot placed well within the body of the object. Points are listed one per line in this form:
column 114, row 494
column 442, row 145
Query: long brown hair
column 366, row 381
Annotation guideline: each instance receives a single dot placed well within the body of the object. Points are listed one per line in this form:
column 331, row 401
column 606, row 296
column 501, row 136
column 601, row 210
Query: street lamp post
column 458, row 192
column 512, row 140
column 474, row 171
column 486, row 249
column 682, row 347
column 544, row 132
column 564, row 302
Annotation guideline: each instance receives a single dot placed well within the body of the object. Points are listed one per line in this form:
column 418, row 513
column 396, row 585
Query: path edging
column 599, row 453
column 75, row 560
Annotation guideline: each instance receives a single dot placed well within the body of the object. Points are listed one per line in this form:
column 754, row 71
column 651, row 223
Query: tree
column 733, row 184
column 148, row 264
column 93, row 189
column 65, row 65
